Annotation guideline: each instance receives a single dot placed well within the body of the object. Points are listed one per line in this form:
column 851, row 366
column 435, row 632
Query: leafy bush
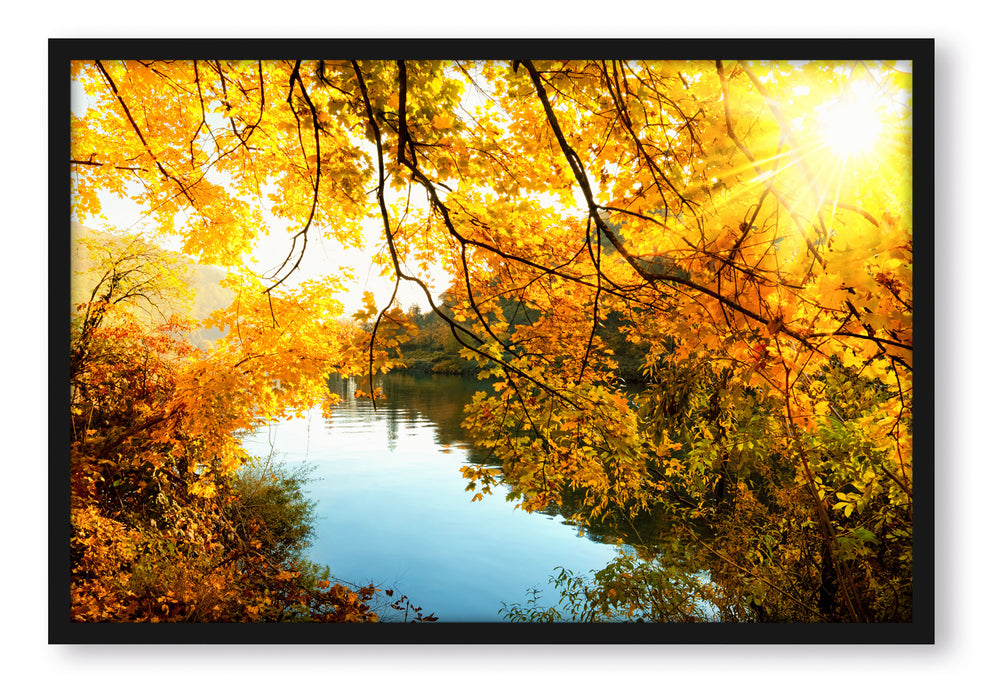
column 268, row 504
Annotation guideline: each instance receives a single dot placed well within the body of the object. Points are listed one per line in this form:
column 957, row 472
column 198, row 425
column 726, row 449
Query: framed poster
column 560, row 341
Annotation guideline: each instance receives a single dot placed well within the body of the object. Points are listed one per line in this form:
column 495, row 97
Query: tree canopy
column 748, row 223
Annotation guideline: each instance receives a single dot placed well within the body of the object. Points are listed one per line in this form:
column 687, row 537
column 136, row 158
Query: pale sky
column 322, row 257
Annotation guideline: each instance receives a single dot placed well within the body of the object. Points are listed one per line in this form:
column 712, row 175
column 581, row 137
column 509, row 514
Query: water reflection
column 393, row 509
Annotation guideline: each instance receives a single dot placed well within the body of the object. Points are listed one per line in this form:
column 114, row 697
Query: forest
column 690, row 284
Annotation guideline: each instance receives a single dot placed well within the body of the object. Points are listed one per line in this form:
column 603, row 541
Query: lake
column 392, row 508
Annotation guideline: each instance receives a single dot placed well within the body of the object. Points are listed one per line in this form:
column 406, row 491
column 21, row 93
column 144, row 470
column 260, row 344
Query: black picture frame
column 921, row 52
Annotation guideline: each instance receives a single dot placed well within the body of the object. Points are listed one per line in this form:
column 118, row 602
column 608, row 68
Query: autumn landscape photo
column 430, row 340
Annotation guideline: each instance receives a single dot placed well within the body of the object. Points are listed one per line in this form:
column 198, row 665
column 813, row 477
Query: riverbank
column 438, row 362
column 420, row 361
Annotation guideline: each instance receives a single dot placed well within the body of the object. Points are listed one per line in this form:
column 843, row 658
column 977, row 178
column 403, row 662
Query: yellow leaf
column 442, row 121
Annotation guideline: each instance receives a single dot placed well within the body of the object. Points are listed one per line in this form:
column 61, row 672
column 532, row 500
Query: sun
column 852, row 124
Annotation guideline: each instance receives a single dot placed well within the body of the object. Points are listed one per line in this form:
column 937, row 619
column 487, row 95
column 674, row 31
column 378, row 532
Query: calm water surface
column 392, row 508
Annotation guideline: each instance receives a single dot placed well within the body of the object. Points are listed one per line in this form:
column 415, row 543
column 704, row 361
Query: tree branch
column 137, row 130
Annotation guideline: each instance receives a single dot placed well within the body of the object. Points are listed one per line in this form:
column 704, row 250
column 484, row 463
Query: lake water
column 392, row 508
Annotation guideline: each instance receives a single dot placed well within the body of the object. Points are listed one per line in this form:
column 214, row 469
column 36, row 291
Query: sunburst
column 851, row 125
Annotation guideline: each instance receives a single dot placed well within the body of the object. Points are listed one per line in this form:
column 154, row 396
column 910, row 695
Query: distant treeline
column 435, row 350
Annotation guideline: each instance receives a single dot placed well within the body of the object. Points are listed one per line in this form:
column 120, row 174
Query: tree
column 717, row 209
column 170, row 520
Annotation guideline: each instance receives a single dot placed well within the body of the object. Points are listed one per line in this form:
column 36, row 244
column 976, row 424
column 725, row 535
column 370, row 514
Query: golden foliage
column 709, row 205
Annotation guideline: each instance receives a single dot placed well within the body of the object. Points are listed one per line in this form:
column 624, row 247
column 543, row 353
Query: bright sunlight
column 852, row 124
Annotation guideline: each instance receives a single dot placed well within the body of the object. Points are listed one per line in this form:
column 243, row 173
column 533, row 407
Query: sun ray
column 851, row 125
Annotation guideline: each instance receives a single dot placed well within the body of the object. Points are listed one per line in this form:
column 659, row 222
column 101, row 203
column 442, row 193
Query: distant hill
column 204, row 280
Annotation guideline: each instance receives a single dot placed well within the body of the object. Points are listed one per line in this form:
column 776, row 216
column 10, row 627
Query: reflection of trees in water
column 391, row 425
column 440, row 400
column 411, row 398
column 643, row 531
